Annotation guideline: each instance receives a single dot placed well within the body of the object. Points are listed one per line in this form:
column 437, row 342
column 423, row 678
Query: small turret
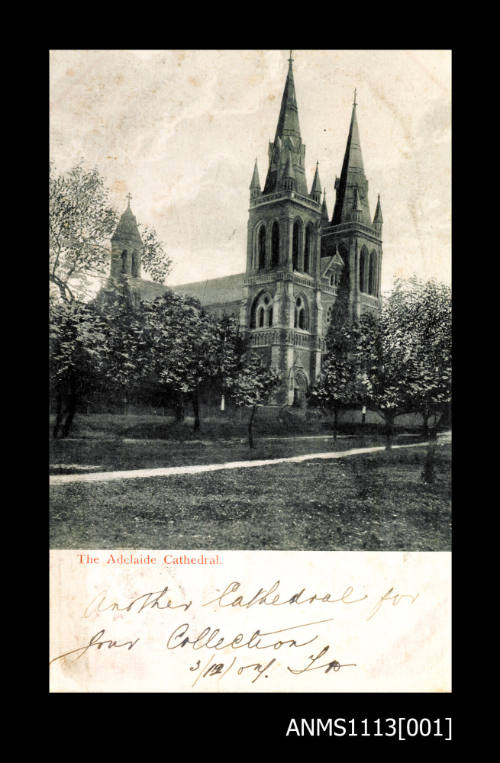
column 378, row 219
column 289, row 181
column 357, row 209
column 255, row 184
column 316, row 186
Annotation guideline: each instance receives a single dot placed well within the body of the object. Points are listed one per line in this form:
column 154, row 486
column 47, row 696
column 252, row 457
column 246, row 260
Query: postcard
column 250, row 357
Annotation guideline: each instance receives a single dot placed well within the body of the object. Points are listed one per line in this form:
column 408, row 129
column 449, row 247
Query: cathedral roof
column 214, row 291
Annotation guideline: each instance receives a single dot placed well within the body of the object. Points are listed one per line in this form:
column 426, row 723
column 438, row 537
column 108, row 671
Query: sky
column 180, row 130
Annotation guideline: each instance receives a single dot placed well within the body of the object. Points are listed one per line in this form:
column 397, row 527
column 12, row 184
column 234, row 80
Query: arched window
column 301, row 321
column 124, row 261
column 261, row 314
column 372, row 286
column 363, row 269
column 275, row 245
column 262, row 248
column 295, row 244
column 308, row 248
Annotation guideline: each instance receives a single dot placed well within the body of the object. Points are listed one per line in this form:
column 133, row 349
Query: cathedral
column 299, row 262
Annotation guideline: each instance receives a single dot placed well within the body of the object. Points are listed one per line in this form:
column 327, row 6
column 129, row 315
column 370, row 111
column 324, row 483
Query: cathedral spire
column 287, row 138
column 288, row 120
column 352, row 175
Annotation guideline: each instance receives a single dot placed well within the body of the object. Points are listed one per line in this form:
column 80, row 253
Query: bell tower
column 281, row 306
column 126, row 246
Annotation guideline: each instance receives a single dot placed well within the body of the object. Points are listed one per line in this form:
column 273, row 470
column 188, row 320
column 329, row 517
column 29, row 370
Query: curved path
column 170, row 471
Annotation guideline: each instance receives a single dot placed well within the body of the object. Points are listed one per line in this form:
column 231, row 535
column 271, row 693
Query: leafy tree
column 423, row 310
column 177, row 347
column 81, row 221
column 155, row 261
column 77, row 351
column 405, row 353
column 252, row 386
column 121, row 367
column 339, row 385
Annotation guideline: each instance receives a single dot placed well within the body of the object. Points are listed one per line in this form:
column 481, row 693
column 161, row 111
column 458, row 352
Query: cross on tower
column 129, row 196
column 290, row 59
column 355, row 104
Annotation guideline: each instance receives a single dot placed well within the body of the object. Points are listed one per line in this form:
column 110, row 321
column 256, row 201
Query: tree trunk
column 57, row 425
column 250, row 427
column 429, row 471
column 425, row 416
column 389, row 431
column 196, row 411
column 70, row 413
column 179, row 410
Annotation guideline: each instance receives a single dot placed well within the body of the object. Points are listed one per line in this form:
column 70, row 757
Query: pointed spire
column 288, row 121
column 255, row 184
column 324, row 211
column 127, row 229
column 316, row 186
column 378, row 219
column 352, row 175
column 287, row 138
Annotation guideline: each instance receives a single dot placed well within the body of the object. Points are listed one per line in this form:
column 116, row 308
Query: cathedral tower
column 281, row 306
column 351, row 232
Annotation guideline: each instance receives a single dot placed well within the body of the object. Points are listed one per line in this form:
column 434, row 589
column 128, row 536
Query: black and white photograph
column 250, row 310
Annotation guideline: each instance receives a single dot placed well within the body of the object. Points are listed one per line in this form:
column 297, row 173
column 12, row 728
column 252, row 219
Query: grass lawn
column 365, row 502
column 76, row 456
column 103, row 442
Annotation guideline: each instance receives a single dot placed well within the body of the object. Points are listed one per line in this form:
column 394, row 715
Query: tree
column 81, row 221
column 252, row 386
column 424, row 311
column 155, row 260
column 405, row 353
column 77, row 351
column 121, row 366
column 177, row 347
column 339, row 385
